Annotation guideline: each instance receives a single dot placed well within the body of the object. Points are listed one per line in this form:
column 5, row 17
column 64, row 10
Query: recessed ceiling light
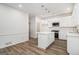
column 46, row 9
column 20, row 5
column 68, row 9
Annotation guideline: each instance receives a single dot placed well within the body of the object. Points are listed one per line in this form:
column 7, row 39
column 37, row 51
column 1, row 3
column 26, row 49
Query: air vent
column 8, row 43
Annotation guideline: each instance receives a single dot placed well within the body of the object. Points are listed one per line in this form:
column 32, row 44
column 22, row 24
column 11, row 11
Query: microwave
column 55, row 24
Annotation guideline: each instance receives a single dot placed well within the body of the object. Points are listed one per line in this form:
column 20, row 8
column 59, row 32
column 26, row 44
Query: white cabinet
column 75, row 16
column 73, row 43
column 63, row 32
column 45, row 39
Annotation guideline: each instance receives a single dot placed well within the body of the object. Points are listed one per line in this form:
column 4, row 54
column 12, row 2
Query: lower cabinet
column 62, row 35
column 73, row 43
column 63, row 32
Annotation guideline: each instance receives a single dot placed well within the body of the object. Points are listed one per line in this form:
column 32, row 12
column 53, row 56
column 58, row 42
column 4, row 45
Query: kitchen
column 64, row 28
column 40, row 27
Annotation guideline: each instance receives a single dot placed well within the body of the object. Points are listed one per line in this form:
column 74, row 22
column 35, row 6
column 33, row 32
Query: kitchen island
column 45, row 39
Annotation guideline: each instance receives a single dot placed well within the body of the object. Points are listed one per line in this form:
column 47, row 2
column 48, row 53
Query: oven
column 56, row 33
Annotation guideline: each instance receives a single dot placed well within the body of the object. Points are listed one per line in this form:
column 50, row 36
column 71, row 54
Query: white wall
column 35, row 23
column 13, row 26
column 32, row 26
column 38, row 23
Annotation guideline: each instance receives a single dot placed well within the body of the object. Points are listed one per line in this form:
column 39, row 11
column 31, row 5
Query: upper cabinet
column 75, row 15
column 66, row 21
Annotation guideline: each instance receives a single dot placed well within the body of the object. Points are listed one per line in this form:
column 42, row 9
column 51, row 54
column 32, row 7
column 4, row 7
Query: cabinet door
column 73, row 45
column 62, row 34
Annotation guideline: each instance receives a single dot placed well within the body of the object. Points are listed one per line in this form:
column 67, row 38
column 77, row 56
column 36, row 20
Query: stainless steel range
column 56, row 33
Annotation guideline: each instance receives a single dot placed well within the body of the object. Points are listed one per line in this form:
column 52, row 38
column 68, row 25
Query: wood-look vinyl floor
column 30, row 48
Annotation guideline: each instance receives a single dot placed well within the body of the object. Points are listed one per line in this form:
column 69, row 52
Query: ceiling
column 44, row 9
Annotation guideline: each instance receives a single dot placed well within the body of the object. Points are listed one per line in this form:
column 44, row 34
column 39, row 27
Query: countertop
column 44, row 32
column 73, row 34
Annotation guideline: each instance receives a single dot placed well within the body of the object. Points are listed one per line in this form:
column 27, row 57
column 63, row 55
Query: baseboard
column 63, row 39
column 15, row 43
column 33, row 38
